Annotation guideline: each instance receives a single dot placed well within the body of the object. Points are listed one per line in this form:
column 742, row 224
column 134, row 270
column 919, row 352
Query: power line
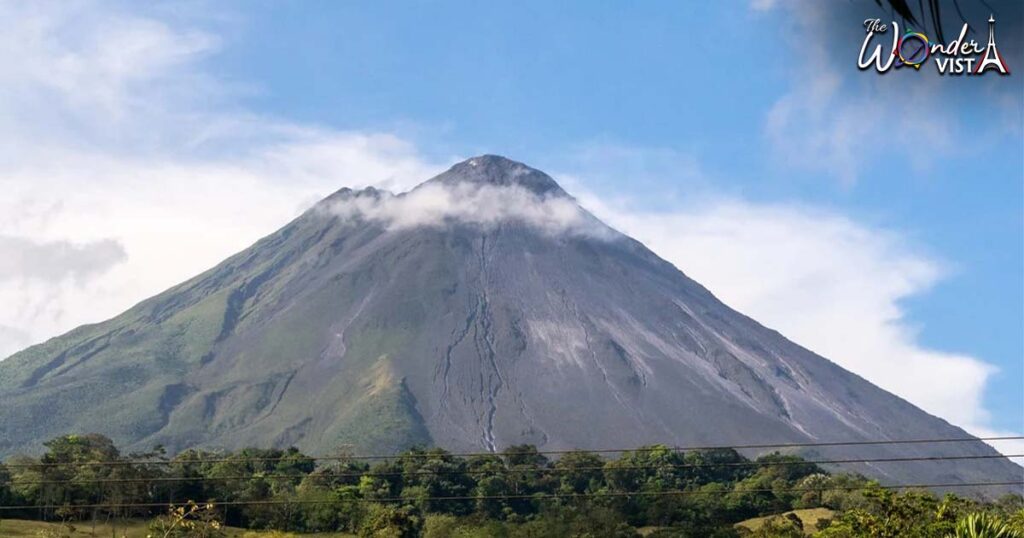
column 430, row 453
column 547, row 470
column 535, row 496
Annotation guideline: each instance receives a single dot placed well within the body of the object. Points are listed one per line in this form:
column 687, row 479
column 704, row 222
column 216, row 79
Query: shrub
column 981, row 525
column 190, row 520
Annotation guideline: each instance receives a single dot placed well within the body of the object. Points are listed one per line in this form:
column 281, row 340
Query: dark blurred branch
column 932, row 11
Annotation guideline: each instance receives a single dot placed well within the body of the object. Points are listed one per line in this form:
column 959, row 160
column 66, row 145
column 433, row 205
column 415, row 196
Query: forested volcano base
column 651, row 491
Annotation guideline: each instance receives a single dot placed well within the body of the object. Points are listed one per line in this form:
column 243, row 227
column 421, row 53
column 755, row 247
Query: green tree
column 889, row 514
column 70, row 476
column 373, row 487
column 341, row 470
column 510, row 484
column 256, row 475
column 579, row 472
column 526, row 475
column 6, row 491
column 716, row 465
column 435, row 474
column 191, row 467
column 490, row 493
column 651, row 471
column 386, row 521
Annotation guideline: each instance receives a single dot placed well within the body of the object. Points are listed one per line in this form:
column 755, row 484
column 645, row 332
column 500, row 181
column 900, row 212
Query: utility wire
column 431, row 454
column 542, row 470
column 535, row 496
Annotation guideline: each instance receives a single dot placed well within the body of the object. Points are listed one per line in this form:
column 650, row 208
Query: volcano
column 482, row 309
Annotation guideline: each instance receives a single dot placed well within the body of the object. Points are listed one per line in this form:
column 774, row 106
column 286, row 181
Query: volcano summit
column 482, row 309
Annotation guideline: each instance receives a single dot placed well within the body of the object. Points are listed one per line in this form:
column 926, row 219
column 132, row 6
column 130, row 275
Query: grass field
column 809, row 517
column 16, row 528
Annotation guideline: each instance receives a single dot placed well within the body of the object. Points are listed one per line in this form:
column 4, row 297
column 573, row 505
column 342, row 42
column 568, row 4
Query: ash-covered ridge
column 338, row 331
column 497, row 171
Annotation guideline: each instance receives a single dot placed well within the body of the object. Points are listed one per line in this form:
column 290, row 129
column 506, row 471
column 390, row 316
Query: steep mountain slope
column 482, row 309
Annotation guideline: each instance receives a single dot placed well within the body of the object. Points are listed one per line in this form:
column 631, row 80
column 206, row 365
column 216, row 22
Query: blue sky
column 748, row 119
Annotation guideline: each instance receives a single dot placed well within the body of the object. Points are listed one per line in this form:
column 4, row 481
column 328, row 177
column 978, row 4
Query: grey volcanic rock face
column 344, row 328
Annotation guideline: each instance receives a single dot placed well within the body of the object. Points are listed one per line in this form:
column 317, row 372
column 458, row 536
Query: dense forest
column 519, row 492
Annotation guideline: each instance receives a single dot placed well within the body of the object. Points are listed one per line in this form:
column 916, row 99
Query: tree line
column 517, row 492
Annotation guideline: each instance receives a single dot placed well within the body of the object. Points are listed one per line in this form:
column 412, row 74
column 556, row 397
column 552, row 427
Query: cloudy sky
column 877, row 220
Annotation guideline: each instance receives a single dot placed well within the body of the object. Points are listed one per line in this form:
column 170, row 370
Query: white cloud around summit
column 479, row 205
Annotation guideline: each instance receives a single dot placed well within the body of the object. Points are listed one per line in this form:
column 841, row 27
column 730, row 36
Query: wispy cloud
column 93, row 76
column 26, row 259
column 466, row 203
column 12, row 339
